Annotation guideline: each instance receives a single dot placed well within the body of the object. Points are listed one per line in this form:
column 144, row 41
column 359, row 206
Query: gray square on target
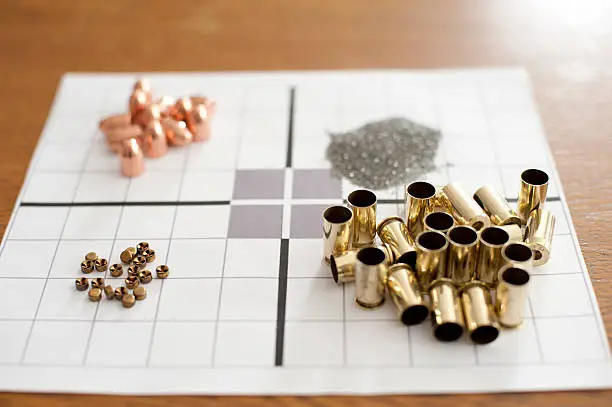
column 259, row 184
column 256, row 221
column 306, row 221
column 313, row 184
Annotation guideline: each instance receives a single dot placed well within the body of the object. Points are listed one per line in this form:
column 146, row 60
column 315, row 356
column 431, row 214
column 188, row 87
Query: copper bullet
column 142, row 84
column 114, row 121
column 181, row 109
column 123, row 133
column 154, row 143
column 211, row 106
column 147, row 115
column 138, row 102
column 198, row 123
column 177, row 133
column 132, row 159
column 165, row 103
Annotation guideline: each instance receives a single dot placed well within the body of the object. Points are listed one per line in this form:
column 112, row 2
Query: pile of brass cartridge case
column 464, row 261
column 151, row 126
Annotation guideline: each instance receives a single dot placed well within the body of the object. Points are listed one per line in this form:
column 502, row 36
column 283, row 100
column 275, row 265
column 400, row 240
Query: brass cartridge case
column 389, row 257
column 145, row 116
column 491, row 240
column 363, row 204
column 517, row 254
column 480, row 319
column 370, row 277
column 511, row 295
column 420, row 199
column 343, row 266
column 539, row 234
column 446, row 311
column 532, row 195
column 462, row 254
column 439, row 222
column 337, row 230
column 406, row 294
column 431, row 249
column 499, row 210
column 463, row 208
column 514, row 232
column 394, row 234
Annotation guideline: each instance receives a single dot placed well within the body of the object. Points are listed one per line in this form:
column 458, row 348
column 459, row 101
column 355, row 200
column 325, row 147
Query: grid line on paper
column 527, row 318
column 308, row 368
column 485, row 110
column 289, row 159
column 42, row 293
column 95, row 316
column 283, row 270
column 286, row 241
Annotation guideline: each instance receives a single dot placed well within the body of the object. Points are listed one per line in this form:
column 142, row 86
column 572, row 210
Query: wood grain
column 565, row 45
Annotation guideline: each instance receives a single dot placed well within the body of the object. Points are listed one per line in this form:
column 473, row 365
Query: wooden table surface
column 565, row 45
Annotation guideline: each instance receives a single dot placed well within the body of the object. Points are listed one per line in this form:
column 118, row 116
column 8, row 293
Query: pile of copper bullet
column 463, row 260
column 151, row 126
column 136, row 258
